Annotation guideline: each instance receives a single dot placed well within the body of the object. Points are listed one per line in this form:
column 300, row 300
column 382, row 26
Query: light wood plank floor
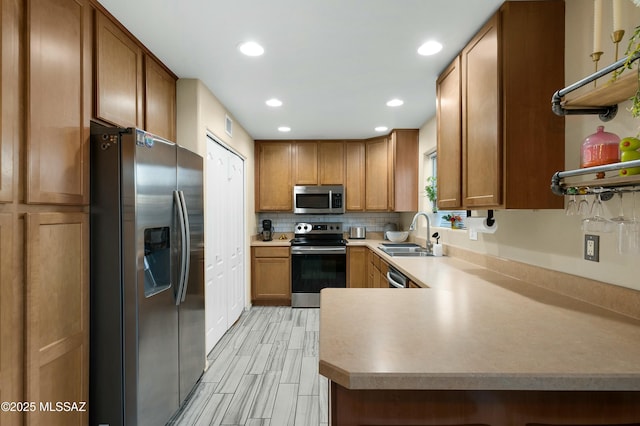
column 263, row 372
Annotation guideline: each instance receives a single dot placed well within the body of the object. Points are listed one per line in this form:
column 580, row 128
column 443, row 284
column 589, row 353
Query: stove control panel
column 318, row 228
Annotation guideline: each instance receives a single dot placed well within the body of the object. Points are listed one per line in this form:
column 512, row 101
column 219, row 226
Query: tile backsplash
column 374, row 222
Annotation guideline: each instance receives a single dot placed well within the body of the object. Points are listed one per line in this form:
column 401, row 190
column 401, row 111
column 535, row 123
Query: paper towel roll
column 479, row 224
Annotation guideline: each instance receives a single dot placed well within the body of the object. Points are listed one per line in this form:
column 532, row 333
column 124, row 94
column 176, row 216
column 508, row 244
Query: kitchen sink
column 404, row 249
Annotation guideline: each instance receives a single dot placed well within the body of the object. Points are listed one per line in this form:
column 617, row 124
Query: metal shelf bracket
column 559, row 189
column 606, row 112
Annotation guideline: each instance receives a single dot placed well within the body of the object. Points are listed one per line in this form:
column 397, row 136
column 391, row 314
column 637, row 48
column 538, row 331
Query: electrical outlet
column 592, row 247
column 473, row 235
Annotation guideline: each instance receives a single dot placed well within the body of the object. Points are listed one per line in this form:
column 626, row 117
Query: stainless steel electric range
column 318, row 260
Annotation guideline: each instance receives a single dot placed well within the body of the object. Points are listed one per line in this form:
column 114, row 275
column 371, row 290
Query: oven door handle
column 393, row 282
column 318, row 250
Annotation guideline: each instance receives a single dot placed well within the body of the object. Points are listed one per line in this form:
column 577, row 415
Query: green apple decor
column 629, row 152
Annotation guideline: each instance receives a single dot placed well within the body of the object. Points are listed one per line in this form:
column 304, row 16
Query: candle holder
column 616, row 37
column 595, row 57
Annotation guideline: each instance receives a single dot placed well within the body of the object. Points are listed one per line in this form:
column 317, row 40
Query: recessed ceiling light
column 274, row 102
column 429, row 48
column 284, row 129
column 395, row 102
column 381, row 129
column 251, row 48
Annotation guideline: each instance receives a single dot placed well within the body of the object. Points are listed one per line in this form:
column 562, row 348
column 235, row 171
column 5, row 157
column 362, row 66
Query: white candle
column 597, row 25
column 617, row 15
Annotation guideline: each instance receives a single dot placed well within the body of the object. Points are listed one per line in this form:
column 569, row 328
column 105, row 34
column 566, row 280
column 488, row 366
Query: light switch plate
column 592, row 247
column 473, row 235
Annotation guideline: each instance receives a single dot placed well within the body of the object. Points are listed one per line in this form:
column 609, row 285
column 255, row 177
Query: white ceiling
column 334, row 63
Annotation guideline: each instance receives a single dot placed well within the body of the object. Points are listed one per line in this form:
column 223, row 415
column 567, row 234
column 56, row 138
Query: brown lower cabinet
column 377, row 269
column 270, row 276
column 413, row 285
column 357, row 267
column 482, row 407
column 57, row 316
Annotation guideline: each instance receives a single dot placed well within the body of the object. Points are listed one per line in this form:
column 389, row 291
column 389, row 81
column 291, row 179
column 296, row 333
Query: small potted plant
column 431, row 191
column 632, row 49
column 454, row 219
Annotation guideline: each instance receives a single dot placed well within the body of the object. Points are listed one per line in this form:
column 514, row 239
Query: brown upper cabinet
column 379, row 174
column 331, row 162
column 403, row 170
column 318, row 162
column 119, row 79
column 448, row 110
column 305, row 161
column 354, row 184
column 12, row 74
column 59, row 102
column 159, row 100
column 391, row 178
column 132, row 88
column 511, row 142
column 273, row 185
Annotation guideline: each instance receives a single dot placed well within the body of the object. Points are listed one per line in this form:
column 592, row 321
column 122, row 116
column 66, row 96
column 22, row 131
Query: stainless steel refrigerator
column 147, row 277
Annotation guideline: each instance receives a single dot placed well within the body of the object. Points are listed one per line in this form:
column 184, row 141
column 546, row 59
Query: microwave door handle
column 330, row 200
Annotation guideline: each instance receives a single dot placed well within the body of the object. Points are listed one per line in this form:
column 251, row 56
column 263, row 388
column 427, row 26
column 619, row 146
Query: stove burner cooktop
column 318, row 234
column 318, row 242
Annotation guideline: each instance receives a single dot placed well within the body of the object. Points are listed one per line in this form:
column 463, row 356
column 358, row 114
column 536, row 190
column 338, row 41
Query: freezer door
column 156, row 312
column 191, row 309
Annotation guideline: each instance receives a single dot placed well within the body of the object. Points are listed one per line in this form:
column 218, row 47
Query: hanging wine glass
column 583, row 205
column 620, row 217
column 572, row 206
column 596, row 222
column 629, row 232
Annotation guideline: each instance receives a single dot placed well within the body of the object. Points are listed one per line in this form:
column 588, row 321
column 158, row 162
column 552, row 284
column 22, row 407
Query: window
column 431, row 172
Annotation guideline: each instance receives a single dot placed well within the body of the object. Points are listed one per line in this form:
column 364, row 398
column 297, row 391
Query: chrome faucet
column 413, row 228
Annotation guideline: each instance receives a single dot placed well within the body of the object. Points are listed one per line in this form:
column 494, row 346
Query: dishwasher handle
column 393, row 282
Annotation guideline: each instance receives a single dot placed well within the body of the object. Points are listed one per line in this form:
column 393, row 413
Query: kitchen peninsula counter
column 476, row 335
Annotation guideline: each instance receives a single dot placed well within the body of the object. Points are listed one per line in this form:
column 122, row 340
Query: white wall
column 199, row 112
column 548, row 238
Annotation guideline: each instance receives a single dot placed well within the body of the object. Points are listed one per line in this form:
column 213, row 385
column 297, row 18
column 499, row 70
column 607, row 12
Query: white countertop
column 472, row 329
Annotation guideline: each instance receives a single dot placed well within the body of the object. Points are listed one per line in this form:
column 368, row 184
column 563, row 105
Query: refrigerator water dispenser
column 157, row 260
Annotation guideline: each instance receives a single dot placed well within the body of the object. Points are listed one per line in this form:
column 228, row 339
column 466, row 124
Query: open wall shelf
column 602, row 100
column 611, row 92
column 597, row 179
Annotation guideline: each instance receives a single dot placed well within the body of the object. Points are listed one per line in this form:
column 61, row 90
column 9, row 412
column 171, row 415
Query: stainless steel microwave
column 318, row 199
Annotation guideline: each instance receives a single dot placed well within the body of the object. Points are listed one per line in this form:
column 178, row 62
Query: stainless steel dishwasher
column 396, row 279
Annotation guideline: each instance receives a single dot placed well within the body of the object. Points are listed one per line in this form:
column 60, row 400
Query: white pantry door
column 235, row 239
column 224, row 238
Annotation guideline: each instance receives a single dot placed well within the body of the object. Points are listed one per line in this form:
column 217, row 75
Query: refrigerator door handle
column 183, row 245
column 186, row 247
